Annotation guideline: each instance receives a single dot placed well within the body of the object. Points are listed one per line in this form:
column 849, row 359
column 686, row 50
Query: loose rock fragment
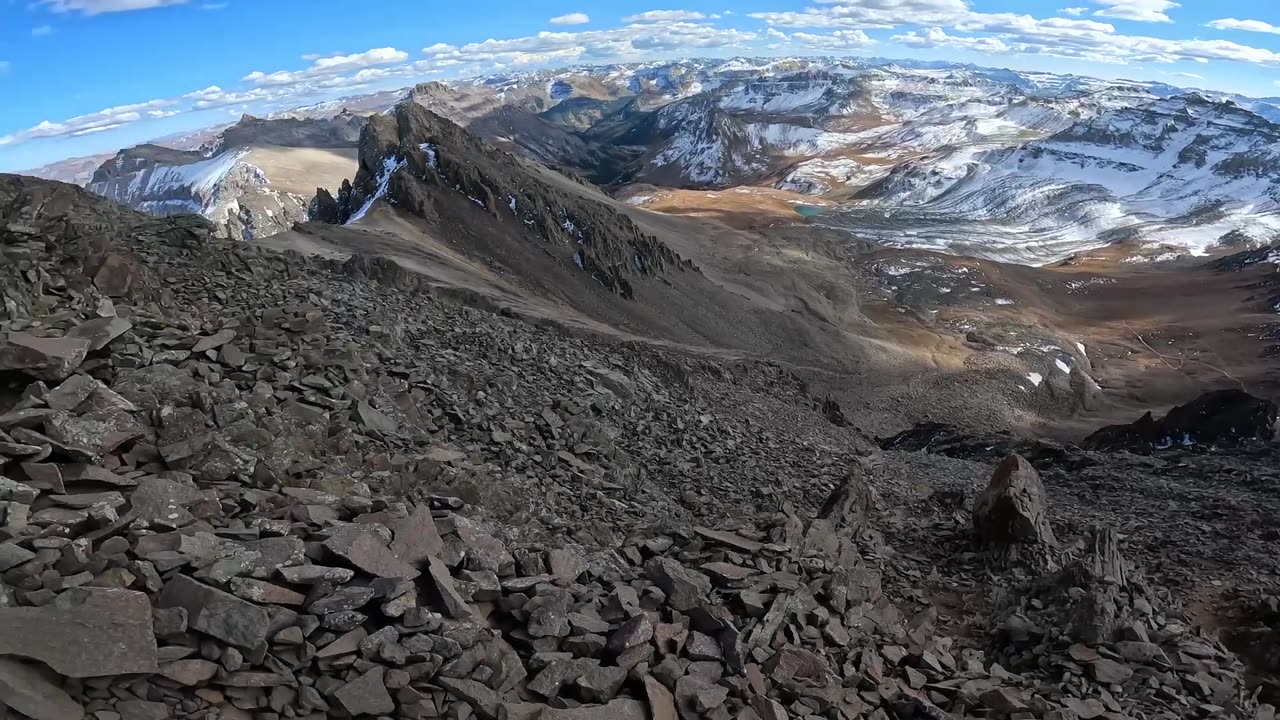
column 365, row 551
column 85, row 632
column 1013, row 507
column 685, row 588
column 367, row 694
column 49, row 359
column 35, row 693
column 217, row 613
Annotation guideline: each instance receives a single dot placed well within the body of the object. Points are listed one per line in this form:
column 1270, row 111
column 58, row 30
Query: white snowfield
column 1182, row 171
column 168, row 189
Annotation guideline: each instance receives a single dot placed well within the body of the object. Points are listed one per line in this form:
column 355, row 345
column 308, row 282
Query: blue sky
column 90, row 76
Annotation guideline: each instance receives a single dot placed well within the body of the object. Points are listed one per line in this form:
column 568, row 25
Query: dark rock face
column 416, row 160
column 340, row 131
column 1227, row 418
column 1217, row 420
column 831, row 409
column 1013, row 507
column 949, row 440
column 1242, row 260
column 324, row 208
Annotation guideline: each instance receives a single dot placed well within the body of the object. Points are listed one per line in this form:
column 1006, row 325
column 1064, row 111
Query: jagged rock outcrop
column 1014, row 507
column 339, row 131
column 415, row 161
column 1215, row 420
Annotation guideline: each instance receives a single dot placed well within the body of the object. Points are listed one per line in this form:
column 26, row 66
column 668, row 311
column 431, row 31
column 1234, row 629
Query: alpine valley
column 1020, row 167
column 701, row 390
column 906, row 215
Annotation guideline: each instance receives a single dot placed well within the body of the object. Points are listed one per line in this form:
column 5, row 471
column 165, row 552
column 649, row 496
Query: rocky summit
column 239, row 483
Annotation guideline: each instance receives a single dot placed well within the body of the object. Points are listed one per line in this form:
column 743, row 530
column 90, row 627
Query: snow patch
column 433, row 156
column 390, row 165
column 1035, row 378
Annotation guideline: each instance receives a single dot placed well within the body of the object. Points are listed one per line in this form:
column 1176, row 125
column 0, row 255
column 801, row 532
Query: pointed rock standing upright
column 1013, row 507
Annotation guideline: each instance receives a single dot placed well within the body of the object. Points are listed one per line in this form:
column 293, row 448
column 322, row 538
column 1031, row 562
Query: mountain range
column 712, row 390
column 848, row 198
column 1015, row 166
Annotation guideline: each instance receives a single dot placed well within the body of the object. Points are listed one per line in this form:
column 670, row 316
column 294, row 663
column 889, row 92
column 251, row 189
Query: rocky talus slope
column 239, row 484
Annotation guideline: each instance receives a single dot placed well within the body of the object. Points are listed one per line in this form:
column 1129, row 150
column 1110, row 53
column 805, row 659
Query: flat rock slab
column 101, row 331
column 367, row 694
column 685, row 588
column 191, row 672
column 621, row 709
column 364, row 550
column 729, row 539
column 214, row 341
column 454, row 604
column 49, row 359
column 217, row 613
column 662, row 704
column 82, row 473
column 482, row 699
column 100, row 432
column 73, row 391
column 416, row 537
column 35, row 692
column 264, row 592
column 164, row 503
column 375, row 420
column 85, row 632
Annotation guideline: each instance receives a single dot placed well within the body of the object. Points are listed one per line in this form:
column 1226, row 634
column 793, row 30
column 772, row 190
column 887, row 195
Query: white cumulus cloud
column 869, row 14
column 1137, row 10
column 101, row 121
column 571, row 19
column 97, row 7
column 329, row 66
column 1245, row 25
column 654, row 16
column 838, row 40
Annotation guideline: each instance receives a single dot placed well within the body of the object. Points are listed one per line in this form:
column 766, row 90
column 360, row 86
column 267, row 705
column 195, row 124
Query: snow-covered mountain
column 252, row 179
column 1027, row 167
column 226, row 188
column 1020, row 166
column 813, row 125
column 1186, row 172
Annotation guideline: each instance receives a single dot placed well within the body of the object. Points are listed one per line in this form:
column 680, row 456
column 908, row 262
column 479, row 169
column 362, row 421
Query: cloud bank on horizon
column 1151, row 38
